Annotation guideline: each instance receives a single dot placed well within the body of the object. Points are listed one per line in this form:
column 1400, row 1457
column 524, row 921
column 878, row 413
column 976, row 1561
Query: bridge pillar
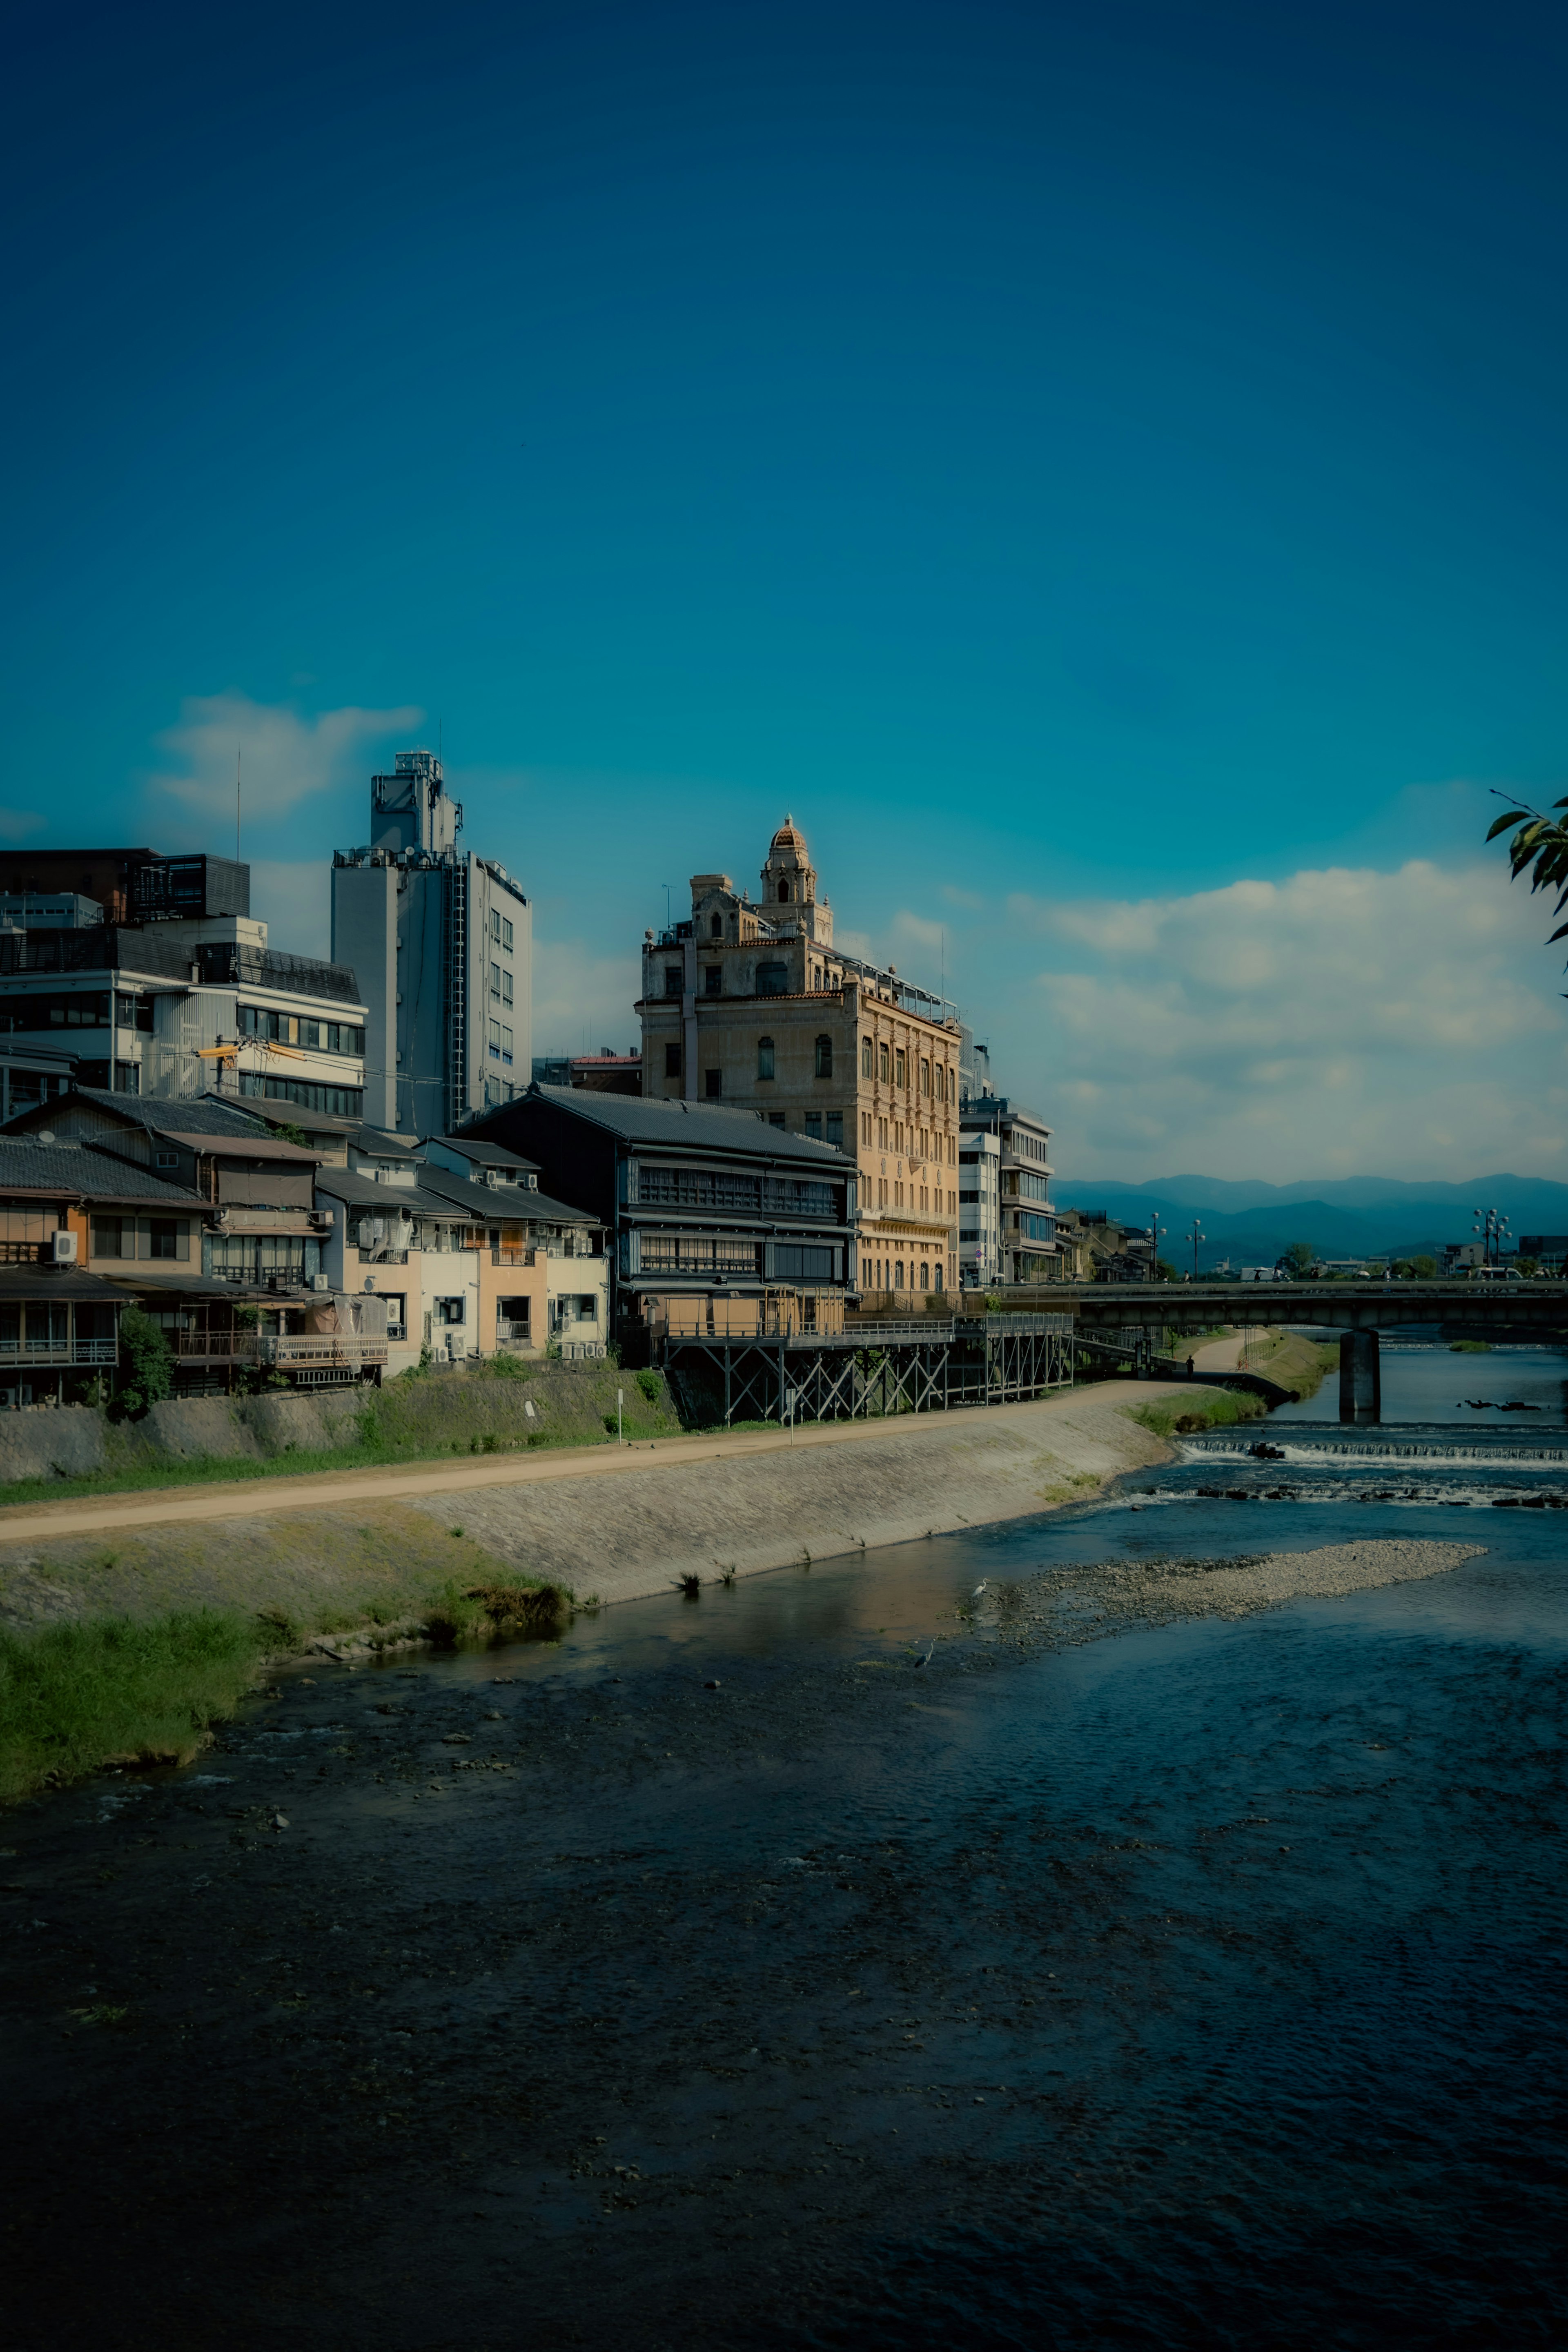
column 1360, row 1385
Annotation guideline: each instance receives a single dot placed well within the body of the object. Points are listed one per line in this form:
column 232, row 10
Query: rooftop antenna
column 236, row 774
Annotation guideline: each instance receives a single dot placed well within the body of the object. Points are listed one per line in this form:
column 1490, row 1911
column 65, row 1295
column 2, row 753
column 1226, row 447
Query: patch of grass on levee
column 1210, row 1409
column 73, row 1697
column 1470, row 1347
column 1295, row 1361
column 168, row 1631
column 476, row 1412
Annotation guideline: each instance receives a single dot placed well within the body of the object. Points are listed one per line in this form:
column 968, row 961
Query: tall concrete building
column 441, row 941
column 751, row 1003
column 1025, row 1247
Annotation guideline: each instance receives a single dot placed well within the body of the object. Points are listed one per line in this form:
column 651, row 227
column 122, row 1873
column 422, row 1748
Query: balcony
column 27, row 1254
column 284, row 1353
column 61, row 1351
column 512, row 1256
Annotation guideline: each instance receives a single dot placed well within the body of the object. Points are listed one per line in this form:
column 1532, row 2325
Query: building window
column 925, row 1076
column 495, row 980
column 899, row 1275
column 715, row 926
column 505, row 1044
column 713, row 1083
column 813, row 1123
column 835, row 1128
column 825, row 1058
column 713, row 979
column 495, row 1040
column 866, row 1068
column 866, row 1129
column 772, row 979
column 775, row 1119
column 451, row 1310
column 165, row 1159
column 882, row 1063
column 764, row 1058
column 939, row 1278
column 900, row 1067
column 495, row 925
column 672, row 1061
column 506, row 987
column 673, row 980
column 784, row 891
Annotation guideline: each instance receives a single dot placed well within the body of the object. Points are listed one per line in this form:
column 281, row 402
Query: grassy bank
column 418, row 1418
column 131, row 1655
column 1294, row 1361
column 1208, row 1409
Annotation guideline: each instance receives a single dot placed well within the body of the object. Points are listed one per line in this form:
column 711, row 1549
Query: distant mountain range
column 1350, row 1216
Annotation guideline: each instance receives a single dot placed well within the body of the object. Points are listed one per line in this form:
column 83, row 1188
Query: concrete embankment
column 843, row 1488
column 615, row 1522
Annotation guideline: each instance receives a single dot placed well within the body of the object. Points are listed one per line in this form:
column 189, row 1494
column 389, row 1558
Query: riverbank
column 127, row 1626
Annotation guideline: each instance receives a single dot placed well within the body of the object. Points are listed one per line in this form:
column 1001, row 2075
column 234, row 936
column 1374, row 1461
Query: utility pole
column 1195, row 1235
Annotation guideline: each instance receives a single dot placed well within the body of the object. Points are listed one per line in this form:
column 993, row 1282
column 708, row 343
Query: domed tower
column 789, row 886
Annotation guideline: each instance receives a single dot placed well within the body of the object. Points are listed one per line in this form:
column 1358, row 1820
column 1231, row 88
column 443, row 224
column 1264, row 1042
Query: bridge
column 1360, row 1310
column 1523, row 1307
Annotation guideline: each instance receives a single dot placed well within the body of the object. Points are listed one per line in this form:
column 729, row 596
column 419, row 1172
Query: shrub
column 649, row 1384
column 146, row 1364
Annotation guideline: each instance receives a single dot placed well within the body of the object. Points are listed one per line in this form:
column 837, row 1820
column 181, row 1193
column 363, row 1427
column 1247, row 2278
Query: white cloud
column 1405, row 1023
column 285, row 758
column 17, row 824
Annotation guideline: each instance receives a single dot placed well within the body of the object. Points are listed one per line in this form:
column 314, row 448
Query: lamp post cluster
column 1195, row 1235
column 1493, row 1231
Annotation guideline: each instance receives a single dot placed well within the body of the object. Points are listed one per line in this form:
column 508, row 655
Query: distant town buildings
column 750, row 1005
column 441, row 941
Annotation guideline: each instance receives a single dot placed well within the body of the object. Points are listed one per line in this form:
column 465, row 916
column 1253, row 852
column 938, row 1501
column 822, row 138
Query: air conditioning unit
column 63, row 1249
column 320, row 1282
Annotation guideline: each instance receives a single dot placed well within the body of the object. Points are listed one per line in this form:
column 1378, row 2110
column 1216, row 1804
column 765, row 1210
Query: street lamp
column 1493, row 1230
column 1153, row 1247
column 1195, row 1235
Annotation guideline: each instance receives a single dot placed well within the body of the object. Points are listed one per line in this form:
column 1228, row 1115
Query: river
column 1134, row 1984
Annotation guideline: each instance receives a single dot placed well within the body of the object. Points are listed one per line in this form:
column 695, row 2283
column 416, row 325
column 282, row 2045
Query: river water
column 1165, row 1985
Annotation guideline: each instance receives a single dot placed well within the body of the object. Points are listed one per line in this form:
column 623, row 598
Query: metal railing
column 65, row 1351
column 270, row 1348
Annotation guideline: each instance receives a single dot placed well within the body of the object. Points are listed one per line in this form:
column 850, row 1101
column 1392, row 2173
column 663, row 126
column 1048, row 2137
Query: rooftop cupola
column 789, row 885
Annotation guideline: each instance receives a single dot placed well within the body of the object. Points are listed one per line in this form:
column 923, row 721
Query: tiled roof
column 25, row 1282
column 682, row 1127
column 28, row 1165
column 500, row 1203
column 206, row 1116
column 483, row 1152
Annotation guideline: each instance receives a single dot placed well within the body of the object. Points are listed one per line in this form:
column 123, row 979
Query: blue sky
column 1094, row 466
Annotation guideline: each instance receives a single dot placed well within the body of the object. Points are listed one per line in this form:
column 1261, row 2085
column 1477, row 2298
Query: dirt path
column 1072, row 1414
column 1224, row 1355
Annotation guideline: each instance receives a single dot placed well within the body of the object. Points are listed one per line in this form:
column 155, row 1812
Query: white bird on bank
column 980, row 1588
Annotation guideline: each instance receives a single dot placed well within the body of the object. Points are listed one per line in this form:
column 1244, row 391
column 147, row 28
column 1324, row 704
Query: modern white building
column 176, row 1007
column 441, row 943
column 979, row 1208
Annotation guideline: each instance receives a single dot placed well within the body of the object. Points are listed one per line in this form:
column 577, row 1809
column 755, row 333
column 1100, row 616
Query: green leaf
column 1514, row 817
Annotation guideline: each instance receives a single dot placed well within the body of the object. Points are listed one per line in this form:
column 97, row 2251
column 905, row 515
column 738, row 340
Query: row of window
column 142, row 1237
column 500, row 929
column 889, row 1274
column 338, row 1102
column 914, row 1142
column 294, row 1029
column 501, row 1043
column 931, row 1197
column 695, row 1188
column 772, row 979
column 501, row 983
column 892, row 1066
column 1020, row 1185
column 767, row 1057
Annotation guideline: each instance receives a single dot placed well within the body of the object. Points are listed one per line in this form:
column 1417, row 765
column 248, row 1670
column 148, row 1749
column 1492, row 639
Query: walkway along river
column 1018, row 1937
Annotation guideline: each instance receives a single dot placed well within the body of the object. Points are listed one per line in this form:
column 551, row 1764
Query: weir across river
column 976, row 1355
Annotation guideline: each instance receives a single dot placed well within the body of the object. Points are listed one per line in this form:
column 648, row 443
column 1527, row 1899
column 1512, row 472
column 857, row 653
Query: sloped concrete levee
column 752, row 1505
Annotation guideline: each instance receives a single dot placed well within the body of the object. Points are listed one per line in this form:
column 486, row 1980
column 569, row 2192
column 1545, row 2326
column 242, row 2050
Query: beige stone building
column 749, row 1003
